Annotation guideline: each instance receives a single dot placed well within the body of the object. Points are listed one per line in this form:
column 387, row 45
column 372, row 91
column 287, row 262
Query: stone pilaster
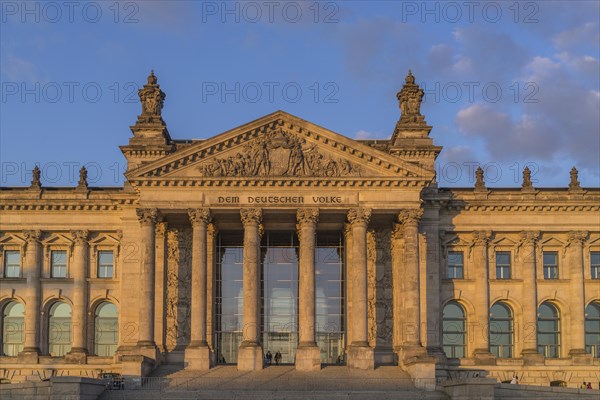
column 308, row 355
column 160, row 286
column 575, row 242
column 148, row 218
column 360, row 354
column 32, row 268
column 397, row 247
column 197, row 354
column 78, row 353
column 527, row 250
column 211, row 232
column 250, row 355
column 482, row 307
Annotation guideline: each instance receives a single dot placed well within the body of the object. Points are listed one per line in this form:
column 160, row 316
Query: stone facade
column 401, row 234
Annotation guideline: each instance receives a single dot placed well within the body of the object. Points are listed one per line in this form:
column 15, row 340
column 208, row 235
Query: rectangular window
column 12, row 264
column 105, row 264
column 503, row 265
column 455, row 265
column 595, row 263
column 59, row 264
column 550, row 265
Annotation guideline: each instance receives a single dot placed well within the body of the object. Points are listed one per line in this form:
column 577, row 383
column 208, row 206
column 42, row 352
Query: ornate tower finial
column 479, row 182
column 36, row 182
column 152, row 99
column 82, row 184
column 574, row 184
column 527, row 185
column 410, row 98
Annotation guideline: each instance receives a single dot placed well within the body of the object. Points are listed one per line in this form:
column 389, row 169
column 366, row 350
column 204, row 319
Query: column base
column 532, row 357
column 484, row 357
column 361, row 357
column 29, row 356
column 250, row 357
column 308, row 358
column 76, row 356
column 580, row 357
column 198, row 358
column 148, row 349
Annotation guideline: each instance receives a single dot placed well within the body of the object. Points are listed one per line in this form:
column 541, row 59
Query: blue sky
column 507, row 83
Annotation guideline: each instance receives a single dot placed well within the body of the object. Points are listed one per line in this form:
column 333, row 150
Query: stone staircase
column 277, row 382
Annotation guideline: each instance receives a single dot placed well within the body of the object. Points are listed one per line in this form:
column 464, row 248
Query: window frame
column 5, row 262
column 21, row 330
column 592, row 348
column 509, row 265
column 454, row 266
column 594, row 268
column 51, row 259
column 510, row 333
column 557, row 333
column 464, row 332
column 548, row 267
column 99, row 265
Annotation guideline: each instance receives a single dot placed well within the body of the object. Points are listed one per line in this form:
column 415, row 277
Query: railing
column 593, row 349
column 549, row 350
column 502, row 350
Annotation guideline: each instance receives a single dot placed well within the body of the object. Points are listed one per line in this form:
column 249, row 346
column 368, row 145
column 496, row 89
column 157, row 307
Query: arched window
column 106, row 329
column 592, row 329
column 12, row 328
column 454, row 330
column 548, row 330
column 59, row 329
column 501, row 331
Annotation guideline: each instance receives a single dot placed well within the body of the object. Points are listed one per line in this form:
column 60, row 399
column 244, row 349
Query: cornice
column 281, row 182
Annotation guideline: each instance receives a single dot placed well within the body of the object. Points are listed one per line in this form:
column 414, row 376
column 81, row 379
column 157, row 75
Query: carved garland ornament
column 279, row 153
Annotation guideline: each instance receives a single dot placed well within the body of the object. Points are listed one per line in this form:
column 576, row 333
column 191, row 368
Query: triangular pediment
column 275, row 147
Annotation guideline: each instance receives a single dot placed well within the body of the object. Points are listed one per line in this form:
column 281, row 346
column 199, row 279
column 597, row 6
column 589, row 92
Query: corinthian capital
column 199, row 215
column 80, row 237
column 577, row 237
column 481, row 237
column 529, row 237
column 410, row 216
column 251, row 215
column 147, row 215
column 32, row 236
column 359, row 215
column 307, row 215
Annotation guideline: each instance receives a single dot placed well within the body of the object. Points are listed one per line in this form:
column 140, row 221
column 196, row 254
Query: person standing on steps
column 269, row 357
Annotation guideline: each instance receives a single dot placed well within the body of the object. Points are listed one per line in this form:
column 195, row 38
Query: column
column 197, row 354
column 250, row 355
column 160, row 274
column 575, row 241
column 148, row 218
column 78, row 353
column 482, row 294
column 32, row 266
column 360, row 355
column 529, row 330
column 211, row 232
column 308, row 355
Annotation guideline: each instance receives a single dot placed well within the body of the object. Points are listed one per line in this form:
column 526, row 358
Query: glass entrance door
column 280, row 295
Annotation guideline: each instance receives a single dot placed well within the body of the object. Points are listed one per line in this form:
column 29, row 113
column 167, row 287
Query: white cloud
column 18, row 69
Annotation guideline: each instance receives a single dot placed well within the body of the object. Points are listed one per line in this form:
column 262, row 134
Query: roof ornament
column 36, row 182
column 479, row 182
column 574, row 185
column 410, row 98
column 152, row 99
column 527, row 185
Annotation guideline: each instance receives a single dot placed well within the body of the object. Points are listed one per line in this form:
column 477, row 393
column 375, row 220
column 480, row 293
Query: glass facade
column 330, row 297
column 279, row 296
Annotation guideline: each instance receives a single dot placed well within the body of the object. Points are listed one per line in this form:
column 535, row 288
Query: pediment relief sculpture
column 279, row 153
